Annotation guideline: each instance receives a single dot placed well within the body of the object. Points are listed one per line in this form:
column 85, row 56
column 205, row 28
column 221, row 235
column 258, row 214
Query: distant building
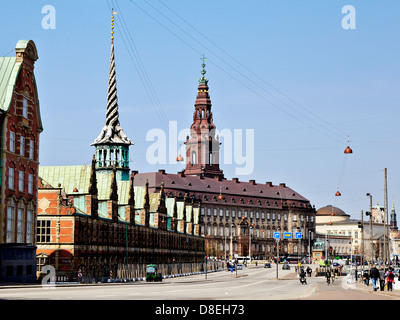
column 20, row 128
column 334, row 222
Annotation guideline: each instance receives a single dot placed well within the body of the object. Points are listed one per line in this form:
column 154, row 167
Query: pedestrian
column 309, row 271
column 374, row 275
column 366, row 277
column 328, row 276
column 390, row 279
column 382, row 278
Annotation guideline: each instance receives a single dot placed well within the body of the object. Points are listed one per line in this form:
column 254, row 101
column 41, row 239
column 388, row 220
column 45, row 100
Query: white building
column 338, row 225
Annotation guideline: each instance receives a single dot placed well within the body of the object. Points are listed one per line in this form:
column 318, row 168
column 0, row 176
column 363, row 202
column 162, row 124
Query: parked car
column 239, row 267
column 267, row 265
column 286, row 266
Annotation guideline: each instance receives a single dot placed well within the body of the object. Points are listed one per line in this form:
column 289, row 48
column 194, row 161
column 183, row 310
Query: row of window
column 21, row 180
column 19, row 222
column 220, row 231
column 256, row 215
column 23, row 143
column 261, row 248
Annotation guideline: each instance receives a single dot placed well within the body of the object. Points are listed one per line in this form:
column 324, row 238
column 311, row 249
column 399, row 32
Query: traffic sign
column 277, row 235
column 287, row 235
column 298, row 235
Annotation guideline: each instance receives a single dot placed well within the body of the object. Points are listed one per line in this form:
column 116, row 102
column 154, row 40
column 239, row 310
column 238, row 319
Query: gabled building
column 21, row 125
column 106, row 228
column 95, row 223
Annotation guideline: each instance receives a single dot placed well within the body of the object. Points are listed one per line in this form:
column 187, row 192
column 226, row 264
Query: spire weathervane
column 203, row 80
column 112, row 25
column 112, row 131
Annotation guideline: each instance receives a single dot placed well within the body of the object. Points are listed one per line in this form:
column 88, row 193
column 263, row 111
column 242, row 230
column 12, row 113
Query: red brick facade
column 21, row 126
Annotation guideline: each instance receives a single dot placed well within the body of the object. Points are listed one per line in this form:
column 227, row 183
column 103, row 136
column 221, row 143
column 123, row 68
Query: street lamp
column 250, row 228
column 370, row 225
column 277, row 254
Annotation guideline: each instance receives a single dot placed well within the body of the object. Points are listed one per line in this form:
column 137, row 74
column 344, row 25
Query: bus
column 243, row 259
column 296, row 258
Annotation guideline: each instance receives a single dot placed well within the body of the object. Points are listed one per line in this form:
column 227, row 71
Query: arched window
column 10, row 221
column 193, row 158
column 21, row 222
column 211, row 158
column 29, row 223
column 202, row 113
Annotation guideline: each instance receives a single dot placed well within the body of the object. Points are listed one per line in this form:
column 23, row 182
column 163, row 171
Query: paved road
column 255, row 283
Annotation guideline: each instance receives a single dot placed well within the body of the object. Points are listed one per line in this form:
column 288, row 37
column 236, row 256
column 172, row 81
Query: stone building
column 20, row 128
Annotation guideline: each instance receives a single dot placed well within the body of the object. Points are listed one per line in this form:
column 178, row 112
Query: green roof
column 70, row 178
column 9, row 70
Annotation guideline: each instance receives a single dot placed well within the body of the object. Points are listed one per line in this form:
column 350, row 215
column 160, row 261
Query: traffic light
column 360, row 225
column 330, row 250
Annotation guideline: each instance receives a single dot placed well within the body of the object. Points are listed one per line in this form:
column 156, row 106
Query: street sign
column 277, row 235
column 287, row 235
column 298, row 235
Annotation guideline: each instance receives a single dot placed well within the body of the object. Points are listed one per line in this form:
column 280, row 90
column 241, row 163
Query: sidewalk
column 363, row 287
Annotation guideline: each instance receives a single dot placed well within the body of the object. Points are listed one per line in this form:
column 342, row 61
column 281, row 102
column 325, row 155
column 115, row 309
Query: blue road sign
column 277, row 235
column 298, row 235
column 287, row 235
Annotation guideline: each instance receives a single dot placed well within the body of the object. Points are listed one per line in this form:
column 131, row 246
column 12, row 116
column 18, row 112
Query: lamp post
column 309, row 246
column 250, row 228
column 277, row 253
column 370, row 225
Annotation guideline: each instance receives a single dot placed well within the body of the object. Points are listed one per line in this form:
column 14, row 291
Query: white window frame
column 30, row 183
column 25, row 107
column 21, row 178
column 31, row 148
column 22, row 146
column 11, row 172
column 12, row 141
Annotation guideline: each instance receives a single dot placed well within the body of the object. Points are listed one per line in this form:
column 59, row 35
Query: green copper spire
column 203, row 80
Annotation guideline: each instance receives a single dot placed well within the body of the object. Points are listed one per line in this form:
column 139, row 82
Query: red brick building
column 93, row 221
column 20, row 128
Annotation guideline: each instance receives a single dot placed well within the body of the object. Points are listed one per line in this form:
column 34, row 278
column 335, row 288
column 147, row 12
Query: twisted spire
column 112, row 131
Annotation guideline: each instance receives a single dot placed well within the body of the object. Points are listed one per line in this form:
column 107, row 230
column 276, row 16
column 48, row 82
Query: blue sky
column 287, row 69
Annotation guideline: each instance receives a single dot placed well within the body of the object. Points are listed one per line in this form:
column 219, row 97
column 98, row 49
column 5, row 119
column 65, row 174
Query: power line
column 238, row 71
column 139, row 66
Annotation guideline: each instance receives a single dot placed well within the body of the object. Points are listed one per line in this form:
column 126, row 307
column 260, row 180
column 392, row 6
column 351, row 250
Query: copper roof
column 233, row 191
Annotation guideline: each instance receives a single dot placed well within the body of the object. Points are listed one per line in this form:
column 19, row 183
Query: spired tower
column 393, row 219
column 203, row 146
column 112, row 145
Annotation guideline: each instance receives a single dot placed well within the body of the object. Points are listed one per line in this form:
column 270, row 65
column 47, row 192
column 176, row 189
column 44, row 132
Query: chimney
column 235, row 180
column 253, row 182
column 269, row 184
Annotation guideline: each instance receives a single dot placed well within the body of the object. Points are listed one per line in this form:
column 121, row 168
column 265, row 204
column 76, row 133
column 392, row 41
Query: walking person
column 374, row 274
column 382, row 278
column 390, row 279
column 366, row 277
column 328, row 276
